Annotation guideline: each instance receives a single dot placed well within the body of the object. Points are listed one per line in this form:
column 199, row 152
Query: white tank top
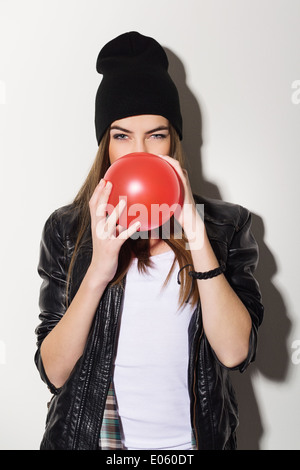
column 150, row 375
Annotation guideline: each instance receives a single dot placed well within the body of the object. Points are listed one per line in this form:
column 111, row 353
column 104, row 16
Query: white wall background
column 236, row 64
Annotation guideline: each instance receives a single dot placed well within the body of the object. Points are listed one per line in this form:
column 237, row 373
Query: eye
column 119, row 136
column 159, row 136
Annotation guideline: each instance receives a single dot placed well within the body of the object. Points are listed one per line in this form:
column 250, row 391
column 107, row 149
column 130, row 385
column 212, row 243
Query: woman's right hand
column 65, row 343
column 107, row 235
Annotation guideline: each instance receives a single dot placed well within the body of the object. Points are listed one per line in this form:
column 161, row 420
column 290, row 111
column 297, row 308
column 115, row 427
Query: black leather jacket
column 76, row 409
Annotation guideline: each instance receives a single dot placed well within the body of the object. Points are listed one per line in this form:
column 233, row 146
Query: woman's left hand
column 188, row 210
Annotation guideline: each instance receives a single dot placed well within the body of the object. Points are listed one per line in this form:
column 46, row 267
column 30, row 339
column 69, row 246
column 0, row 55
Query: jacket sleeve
column 52, row 300
column 241, row 264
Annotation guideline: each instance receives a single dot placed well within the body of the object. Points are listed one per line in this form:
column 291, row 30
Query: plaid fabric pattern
column 111, row 432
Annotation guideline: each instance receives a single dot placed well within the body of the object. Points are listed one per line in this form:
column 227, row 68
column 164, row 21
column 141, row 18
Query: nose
column 140, row 146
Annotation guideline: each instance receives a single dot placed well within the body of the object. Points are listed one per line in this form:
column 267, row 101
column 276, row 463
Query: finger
column 119, row 229
column 101, row 210
column 127, row 233
column 172, row 161
column 111, row 221
column 96, row 198
column 181, row 172
column 102, row 201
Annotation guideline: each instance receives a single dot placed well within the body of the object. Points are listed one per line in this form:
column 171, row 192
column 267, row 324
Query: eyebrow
column 160, row 128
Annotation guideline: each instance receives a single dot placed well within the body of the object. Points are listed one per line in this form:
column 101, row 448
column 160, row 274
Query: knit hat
column 135, row 81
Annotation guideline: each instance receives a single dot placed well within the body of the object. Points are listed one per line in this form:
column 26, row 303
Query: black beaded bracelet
column 208, row 274
column 198, row 275
column 204, row 275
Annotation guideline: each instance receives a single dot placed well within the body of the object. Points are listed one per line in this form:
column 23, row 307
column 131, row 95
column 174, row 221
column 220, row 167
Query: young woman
column 138, row 334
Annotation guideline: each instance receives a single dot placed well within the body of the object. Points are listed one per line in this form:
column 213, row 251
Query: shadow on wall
column 272, row 359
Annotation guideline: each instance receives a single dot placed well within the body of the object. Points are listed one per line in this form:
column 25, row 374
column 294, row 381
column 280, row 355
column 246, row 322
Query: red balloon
column 151, row 187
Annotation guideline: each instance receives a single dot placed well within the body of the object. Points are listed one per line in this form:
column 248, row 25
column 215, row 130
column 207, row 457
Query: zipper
column 208, row 401
column 194, row 393
column 86, row 384
column 114, row 349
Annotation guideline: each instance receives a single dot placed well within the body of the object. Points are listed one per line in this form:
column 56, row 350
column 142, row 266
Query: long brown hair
column 140, row 247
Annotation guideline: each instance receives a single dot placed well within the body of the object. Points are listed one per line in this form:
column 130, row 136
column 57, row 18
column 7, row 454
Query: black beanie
column 135, row 81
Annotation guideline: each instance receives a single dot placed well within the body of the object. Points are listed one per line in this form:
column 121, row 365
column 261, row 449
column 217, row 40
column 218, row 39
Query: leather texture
column 76, row 409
